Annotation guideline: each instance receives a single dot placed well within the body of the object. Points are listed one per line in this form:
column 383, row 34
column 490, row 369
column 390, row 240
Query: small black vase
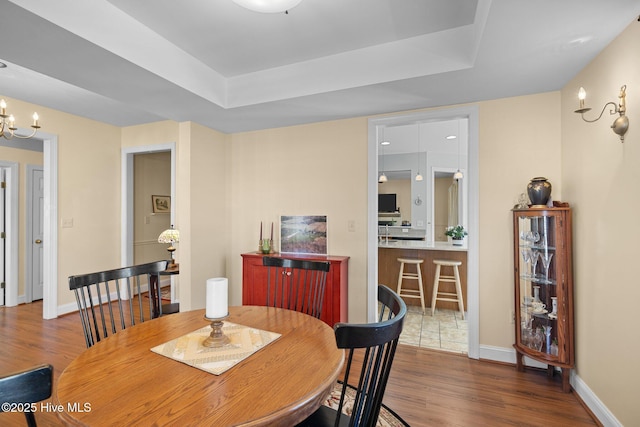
column 539, row 190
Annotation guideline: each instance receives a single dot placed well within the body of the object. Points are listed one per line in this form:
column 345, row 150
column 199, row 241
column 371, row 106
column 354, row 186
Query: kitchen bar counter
column 421, row 244
column 389, row 267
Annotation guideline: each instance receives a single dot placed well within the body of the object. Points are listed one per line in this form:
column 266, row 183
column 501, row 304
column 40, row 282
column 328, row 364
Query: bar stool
column 411, row 293
column 447, row 296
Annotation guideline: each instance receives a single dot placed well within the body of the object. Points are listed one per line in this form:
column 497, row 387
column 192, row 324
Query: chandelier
column 8, row 124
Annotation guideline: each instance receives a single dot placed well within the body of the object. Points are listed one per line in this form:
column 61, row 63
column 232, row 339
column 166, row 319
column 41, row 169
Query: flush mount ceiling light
column 621, row 124
column 268, row 6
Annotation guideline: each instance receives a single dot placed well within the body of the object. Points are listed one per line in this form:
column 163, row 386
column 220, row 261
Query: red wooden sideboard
column 254, row 283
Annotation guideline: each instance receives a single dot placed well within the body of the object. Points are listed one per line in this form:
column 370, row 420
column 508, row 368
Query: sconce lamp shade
column 171, row 236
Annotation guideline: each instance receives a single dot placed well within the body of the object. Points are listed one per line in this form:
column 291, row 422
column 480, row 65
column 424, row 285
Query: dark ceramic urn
column 539, row 190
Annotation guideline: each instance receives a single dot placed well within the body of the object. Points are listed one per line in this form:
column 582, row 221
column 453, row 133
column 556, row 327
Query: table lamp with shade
column 171, row 236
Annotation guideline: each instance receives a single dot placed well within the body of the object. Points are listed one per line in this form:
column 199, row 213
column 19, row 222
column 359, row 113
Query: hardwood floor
column 426, row 387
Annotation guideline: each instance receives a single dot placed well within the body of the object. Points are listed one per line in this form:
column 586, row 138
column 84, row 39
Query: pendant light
column 458, row 175
column 383, row 178
column 418, row 175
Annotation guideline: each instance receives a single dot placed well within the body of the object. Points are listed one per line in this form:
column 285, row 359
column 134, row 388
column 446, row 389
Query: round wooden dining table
column 120, row 381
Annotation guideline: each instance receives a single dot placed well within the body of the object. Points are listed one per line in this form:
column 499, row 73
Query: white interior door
column 36, row 223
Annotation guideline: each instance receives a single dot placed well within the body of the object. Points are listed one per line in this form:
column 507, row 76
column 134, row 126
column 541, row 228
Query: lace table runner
column 188, row 349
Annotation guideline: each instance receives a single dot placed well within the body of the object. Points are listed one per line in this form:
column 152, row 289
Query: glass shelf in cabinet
column 536, row 279
column 537, row 247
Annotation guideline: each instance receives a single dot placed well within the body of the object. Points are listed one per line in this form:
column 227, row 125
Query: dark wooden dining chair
column 26, row 387
column 375, row 344
column 296, row 284
column 109, row 301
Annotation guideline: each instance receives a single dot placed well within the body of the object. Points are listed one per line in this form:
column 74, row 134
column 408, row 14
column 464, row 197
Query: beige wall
column 88, row 182
column 600, row 178
column 204, row 213
column 88, row 193
column 23, row 158
column 519, row 140
column 316, row 169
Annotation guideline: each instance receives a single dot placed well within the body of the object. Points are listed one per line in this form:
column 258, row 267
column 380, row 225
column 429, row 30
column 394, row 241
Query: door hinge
column 3, row 184
column 1, row 285
column 3, row 235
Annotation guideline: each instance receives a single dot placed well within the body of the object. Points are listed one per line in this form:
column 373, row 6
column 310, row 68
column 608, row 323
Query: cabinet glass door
column 537, row 283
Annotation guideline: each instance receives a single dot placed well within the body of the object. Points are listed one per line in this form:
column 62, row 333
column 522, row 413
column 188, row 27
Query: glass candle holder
column 265, row 246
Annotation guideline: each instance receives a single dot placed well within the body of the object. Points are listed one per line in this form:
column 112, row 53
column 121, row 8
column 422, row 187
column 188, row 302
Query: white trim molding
column 12, row 192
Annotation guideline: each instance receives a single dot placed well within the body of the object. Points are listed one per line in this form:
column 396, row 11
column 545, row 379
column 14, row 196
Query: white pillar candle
column 217, row 298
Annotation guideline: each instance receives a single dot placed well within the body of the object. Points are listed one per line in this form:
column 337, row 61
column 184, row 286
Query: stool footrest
column 448, row 299
column 410, row 292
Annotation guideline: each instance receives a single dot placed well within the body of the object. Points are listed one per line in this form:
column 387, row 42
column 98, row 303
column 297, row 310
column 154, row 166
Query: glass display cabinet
column 544, row 288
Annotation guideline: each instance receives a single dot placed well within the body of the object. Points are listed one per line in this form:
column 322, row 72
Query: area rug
column 387, row 417
column 165, row 293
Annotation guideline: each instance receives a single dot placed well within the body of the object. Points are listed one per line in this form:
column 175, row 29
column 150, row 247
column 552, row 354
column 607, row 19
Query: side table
column 154, row 283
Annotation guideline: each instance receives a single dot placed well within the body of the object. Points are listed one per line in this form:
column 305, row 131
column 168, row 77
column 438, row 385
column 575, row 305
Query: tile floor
column 444, row 331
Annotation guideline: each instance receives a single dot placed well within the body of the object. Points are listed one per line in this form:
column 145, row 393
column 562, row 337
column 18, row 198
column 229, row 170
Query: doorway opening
column 49, row 228
column 128, row 203
column 375, row 129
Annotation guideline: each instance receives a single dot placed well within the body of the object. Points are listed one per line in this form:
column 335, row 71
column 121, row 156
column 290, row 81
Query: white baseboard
column 67, row 308
column 72, row 306
column 595, row 405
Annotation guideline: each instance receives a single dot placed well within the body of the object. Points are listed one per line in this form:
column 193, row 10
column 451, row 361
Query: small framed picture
column 303, row 234
column 161, row 204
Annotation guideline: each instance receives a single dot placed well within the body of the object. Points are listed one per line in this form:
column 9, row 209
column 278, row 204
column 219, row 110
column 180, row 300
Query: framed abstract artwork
column 303, row 234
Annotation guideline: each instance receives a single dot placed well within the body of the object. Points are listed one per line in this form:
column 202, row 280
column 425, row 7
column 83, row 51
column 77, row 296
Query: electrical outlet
column 351, row 225
column 512, row 316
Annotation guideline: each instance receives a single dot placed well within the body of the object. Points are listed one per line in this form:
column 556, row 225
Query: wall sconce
column 621, row 124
